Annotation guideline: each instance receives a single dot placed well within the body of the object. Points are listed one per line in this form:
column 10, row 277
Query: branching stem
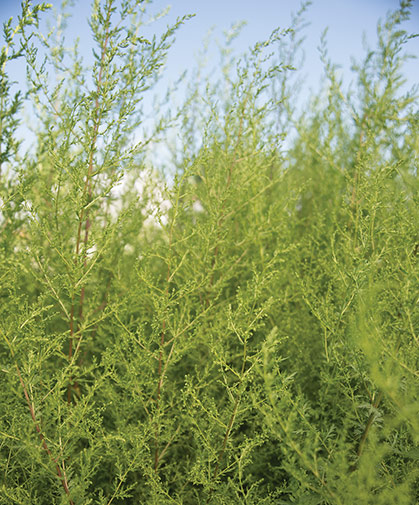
column 84, row 214
column 60, row 470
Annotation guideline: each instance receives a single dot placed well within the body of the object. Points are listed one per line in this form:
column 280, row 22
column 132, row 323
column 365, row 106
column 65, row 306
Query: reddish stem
column 60, row 472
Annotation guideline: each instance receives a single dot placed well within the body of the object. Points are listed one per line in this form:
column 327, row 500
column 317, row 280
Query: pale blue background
column 347, row 21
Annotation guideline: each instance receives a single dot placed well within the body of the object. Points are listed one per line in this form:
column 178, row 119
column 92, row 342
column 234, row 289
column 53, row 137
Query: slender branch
column 84, row 214
column 60, row 470
column 364, row 436
column 161, row 370
column 231, row 420
column 354, row 203
column 161, row 375
column 169, row 443
column 227, row 436
column 228, row 183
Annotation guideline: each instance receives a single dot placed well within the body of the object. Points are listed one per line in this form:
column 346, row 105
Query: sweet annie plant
column 244, row 331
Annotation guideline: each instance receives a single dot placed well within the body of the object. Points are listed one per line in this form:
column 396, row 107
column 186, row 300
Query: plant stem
column 60, row 471
column 160, row 366
column 222, row 208
column 84, row 215
column 364, row 436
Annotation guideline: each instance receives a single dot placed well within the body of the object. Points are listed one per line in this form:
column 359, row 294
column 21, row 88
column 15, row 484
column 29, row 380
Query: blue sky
column 346, row 20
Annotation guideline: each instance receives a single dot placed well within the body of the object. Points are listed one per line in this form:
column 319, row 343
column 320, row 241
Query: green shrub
column 245, row 331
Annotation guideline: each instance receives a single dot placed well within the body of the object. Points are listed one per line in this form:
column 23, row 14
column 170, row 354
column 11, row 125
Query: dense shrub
column 242, row 331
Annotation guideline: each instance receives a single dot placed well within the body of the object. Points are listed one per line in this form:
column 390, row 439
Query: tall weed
column 242, row 332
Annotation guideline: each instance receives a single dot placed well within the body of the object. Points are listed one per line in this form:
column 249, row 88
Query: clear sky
column 347, row 20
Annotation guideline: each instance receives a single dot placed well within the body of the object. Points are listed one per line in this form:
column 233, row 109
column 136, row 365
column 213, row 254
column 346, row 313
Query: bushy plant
column 241, row 331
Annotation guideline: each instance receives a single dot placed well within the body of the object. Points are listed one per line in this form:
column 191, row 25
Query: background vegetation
column 244, row 331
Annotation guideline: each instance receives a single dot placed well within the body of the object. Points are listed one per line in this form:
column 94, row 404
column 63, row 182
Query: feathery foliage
column 245, row 332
